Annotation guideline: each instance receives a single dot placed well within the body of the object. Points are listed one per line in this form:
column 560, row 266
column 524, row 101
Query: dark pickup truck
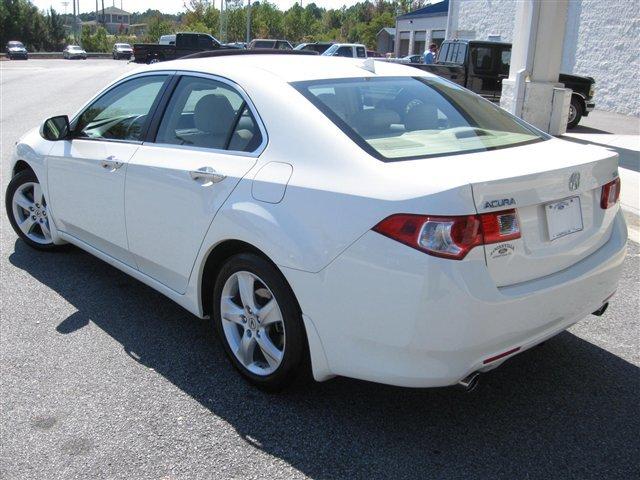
column 481, row 66
column 186, row 43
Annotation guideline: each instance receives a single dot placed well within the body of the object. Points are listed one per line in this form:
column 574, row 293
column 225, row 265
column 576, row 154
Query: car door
column 86, row 173
column 207, row 139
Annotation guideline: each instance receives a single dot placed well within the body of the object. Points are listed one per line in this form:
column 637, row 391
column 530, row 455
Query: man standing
column 430, row 55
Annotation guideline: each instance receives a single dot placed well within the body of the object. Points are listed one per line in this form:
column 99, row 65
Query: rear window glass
column 399, row 118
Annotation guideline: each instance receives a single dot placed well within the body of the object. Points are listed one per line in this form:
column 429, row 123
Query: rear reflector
column 500, row 355
column 450, row 237
column 610, row 194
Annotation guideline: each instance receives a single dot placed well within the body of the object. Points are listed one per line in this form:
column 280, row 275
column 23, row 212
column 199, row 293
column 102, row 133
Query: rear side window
column 361, row 52
column 263, row 44
column 207, row 113
column 400, row 118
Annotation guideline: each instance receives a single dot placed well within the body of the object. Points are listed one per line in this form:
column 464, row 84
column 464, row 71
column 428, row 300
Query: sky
column 167, row 6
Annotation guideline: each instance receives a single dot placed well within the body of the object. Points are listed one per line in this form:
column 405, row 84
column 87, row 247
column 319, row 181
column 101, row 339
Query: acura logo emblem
column 574, row 181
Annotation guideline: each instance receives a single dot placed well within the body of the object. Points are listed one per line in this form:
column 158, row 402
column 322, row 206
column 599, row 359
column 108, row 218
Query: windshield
column 123, row 45
column 400, row 118
column 15, row 45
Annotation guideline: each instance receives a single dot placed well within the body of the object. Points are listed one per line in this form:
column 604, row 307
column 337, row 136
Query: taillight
column 450, row 237
column 610, row 194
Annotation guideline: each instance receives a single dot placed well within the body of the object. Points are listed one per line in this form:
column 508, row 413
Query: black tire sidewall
column 18, row 180
column 296, row 341
column 578, row 106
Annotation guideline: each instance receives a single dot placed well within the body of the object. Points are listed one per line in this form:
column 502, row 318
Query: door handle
column 110, row 163
column 208, row 174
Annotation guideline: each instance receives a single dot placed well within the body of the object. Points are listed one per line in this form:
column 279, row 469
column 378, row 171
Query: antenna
column 369, row 65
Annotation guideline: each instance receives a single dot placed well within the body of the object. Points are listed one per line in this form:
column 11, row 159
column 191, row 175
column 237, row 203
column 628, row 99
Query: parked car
column 15, row 49
column 240, row 45
column 74, row 51
column 167, row 39
column 185, row 43
column 269, row 43
column 122, row 50
column 413, row 59
column 353, row 50
column 318, row 47
column 481, row 66
column 386, row 225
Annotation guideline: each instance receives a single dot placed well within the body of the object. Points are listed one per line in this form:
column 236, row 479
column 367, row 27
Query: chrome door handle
column 208, row 174
column 110, row 163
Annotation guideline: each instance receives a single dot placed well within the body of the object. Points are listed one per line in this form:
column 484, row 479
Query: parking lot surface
column 102, row 377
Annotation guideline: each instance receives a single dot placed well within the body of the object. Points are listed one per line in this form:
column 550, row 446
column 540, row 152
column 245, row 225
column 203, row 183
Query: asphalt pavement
column 102, row 377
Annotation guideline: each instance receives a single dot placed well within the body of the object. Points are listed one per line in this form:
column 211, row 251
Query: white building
column 601, row 41
column 416, row 30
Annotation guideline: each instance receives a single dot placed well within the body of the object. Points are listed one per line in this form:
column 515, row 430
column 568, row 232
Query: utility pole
column 74, row 22
column 248, row 21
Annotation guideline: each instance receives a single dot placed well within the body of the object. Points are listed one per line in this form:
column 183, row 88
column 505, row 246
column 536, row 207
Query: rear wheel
column 575, row 112
column 27, row 211
column 258, row 321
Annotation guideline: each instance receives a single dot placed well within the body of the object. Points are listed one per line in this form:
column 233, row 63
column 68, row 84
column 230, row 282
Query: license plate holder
column 564, row 217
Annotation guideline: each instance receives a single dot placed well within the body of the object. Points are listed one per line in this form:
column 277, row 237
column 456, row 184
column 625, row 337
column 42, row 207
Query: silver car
column 74, row 51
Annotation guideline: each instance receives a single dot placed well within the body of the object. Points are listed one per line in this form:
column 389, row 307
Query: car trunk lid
column 557, row 202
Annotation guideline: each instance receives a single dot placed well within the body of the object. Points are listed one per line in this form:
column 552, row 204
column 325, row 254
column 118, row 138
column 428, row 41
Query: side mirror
column 55, row 128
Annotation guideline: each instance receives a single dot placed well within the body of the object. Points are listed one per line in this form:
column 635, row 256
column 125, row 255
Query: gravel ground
column 101, row 377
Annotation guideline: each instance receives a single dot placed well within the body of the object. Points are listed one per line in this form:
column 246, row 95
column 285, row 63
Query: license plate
column 564, row 217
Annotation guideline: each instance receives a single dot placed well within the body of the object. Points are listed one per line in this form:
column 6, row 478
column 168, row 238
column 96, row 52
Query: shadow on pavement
column 566, row 409
column 629, row 159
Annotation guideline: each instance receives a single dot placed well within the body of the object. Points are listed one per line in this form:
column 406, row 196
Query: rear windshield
column 402, row 118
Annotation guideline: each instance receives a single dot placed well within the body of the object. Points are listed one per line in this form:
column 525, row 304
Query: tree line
column 46, row 30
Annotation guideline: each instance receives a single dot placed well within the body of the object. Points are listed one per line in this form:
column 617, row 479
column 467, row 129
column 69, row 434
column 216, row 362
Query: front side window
column 399, row 118
column 206, row 113
column 344, row 52
column 122, row 112
column 481, row 58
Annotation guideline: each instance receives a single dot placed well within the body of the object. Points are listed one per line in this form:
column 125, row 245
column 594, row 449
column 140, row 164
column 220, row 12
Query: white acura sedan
column 356, row 218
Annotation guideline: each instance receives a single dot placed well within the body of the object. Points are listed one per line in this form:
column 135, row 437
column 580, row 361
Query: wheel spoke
column 246, row 349
column 270, row 351
column 26, row 225
column 245, row 287
column 232, row 312
column 270, row 313
column 44, row 226
column 37, row 194
column 23, row 201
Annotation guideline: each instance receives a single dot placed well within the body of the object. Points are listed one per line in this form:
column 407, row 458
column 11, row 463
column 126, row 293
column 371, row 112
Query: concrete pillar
column 412, row 36
column 532, row 91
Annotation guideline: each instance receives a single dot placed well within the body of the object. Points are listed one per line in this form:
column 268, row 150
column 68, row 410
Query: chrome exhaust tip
column 599, row 312
column 470, row 382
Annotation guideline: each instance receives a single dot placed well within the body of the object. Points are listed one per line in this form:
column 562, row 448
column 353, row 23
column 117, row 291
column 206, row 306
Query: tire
column 39, row 234
column 575, row 113
column 284, row 330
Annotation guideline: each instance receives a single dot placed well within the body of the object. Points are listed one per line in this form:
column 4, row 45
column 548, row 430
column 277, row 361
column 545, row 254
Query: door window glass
column 360, row 52
column 122, row 112
column 481, row 57
column 209, row 114
column 344, row 52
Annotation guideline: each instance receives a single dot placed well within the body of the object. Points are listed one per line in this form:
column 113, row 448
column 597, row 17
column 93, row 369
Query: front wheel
column 575, row 113
column 27, row 211
column 259, row 322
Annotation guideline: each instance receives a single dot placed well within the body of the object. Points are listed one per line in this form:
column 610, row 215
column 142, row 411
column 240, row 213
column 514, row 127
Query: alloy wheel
column 572, row 113
column 252, row 323
column 30, row 212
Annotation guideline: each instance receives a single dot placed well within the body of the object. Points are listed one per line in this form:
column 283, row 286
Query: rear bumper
column 387, row 313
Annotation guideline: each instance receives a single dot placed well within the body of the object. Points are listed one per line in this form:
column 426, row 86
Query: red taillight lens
column 450, row 237
column 610, row 194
